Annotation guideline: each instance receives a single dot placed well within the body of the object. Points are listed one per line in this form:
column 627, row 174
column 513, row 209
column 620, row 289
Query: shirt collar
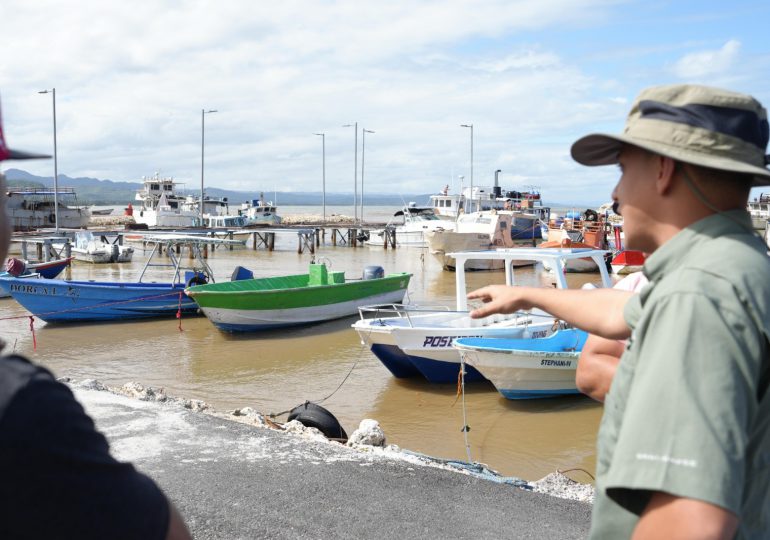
column 671, row 254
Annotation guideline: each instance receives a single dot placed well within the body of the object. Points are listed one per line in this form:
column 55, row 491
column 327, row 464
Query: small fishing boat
column 88, row 248
column 274, row 302
column 589, row 235
column 24, row 269
column 527, row 368
column 260, row 212
column 56, row 300
column 415, row 222
column 488, row 229
column 416, row 341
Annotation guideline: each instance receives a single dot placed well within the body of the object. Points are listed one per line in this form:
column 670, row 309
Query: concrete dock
column 231, row 480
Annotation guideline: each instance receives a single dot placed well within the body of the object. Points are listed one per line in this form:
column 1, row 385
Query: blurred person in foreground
column 57, row 477
column 600, row 357
column 684, row 442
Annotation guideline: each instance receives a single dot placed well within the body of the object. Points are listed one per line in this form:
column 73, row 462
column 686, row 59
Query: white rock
column 369, row 433
column 298, row 428
column 91, row 384
column 144, row 393
column 194, row 404
column 558, row 485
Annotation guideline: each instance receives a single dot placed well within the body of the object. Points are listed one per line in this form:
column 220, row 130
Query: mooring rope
column 96, row 306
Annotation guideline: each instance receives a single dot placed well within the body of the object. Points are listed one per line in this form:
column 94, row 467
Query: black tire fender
column 311, row 415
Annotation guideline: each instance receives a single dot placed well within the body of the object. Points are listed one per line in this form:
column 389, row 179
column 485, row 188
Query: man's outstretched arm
column 597, row 311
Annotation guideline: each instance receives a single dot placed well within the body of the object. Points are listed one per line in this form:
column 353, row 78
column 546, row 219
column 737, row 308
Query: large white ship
column 36, row 208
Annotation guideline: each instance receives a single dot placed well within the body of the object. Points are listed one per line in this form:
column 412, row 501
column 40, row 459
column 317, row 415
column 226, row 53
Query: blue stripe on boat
column 535, row 394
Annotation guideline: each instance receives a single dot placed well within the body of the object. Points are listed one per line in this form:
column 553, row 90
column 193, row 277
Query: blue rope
column 476, row 469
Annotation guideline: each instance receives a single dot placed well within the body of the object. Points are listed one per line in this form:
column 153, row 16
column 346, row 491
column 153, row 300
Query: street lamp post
column 204, row 112
column 355, row 172
column 52, row 91
column 323, row 162
column 471, row 128
column 364, row 131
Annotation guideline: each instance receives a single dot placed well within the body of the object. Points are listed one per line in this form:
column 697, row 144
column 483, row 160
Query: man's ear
column 665, row 173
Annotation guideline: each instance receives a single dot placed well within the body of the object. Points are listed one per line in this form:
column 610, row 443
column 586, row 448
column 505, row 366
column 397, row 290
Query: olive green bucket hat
column 694, row 124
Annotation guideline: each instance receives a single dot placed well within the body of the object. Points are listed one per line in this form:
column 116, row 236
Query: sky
column 531, row 76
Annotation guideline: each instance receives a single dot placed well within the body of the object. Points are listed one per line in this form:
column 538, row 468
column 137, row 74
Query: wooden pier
column 308, row 237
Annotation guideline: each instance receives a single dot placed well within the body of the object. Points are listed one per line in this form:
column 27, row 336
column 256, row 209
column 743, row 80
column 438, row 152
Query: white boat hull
column 526, row 374
column 269, row 318
column 69, row 218
column 425, row 341
column 477, row 231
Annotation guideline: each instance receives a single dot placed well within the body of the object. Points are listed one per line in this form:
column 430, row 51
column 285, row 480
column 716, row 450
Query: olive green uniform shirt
column 688, row 412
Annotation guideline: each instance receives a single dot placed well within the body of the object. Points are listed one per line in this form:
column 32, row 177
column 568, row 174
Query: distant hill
column 108, row 192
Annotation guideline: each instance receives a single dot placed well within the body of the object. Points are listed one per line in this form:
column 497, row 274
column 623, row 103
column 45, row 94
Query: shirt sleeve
column 684, row 429
column 59, row 479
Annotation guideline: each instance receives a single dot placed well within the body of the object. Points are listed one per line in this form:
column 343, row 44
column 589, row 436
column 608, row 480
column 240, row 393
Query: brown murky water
column 274, row 371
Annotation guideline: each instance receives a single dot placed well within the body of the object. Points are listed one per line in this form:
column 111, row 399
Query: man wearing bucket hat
column 684, row 443
column 57, row 477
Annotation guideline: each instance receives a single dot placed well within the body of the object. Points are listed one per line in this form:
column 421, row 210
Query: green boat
column 249, row 305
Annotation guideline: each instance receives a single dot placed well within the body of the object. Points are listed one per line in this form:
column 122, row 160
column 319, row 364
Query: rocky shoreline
column 368, row 439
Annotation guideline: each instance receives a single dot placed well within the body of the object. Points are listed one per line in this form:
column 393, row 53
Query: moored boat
column 417, row 341
column 274, row 302
column 56, row 300
column 37, row 208
column 161, row 206
column 415, row 222
column 260, row 212
column 489, row 229
column 527, row 368
column 589, row 234
column 88, row 248
column 627, row 261
column 23, row 269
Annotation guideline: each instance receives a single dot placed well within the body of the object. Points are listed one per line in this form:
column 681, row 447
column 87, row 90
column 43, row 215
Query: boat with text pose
column 418, row 340
column 274, row 302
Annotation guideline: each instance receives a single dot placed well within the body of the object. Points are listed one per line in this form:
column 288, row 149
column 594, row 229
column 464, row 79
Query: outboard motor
column 241, row 273
column 373, row 272
column 15, row 267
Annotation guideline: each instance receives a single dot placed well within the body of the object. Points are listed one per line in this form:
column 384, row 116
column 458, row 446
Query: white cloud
column 132, row 78
column 702, row 64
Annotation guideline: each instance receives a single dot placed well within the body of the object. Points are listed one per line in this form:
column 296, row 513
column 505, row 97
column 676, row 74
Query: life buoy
column 52, row 218
column 311, row 415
